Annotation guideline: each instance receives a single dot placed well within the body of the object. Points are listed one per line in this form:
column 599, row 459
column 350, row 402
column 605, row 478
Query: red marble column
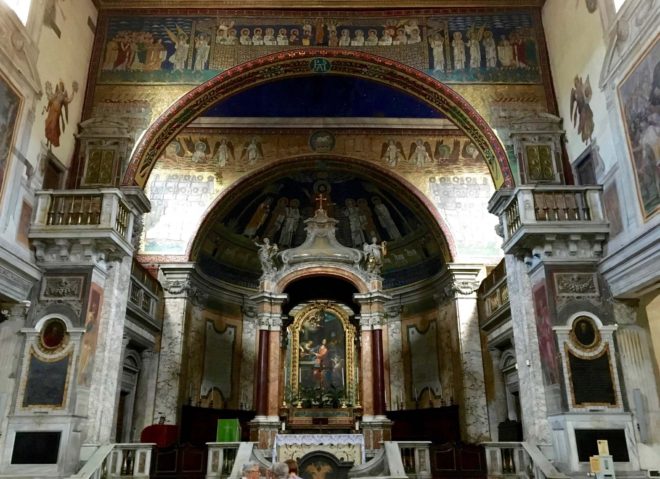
column 366, row 373
column 273, row 373
column 378, row 373
column 261, row 389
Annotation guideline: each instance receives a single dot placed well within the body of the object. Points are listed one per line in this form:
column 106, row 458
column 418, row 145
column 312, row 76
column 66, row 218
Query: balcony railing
column 144, row 291
column 90, row 214
column 541, row 210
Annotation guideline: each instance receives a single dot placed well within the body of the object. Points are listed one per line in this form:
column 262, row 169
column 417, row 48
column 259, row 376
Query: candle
column 283, row 426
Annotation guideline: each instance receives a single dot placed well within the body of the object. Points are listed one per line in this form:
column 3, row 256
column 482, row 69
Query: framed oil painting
column 639, row 97
column 10, row 107
column 322, row 356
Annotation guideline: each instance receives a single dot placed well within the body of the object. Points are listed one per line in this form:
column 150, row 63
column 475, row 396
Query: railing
column 221, row 459
column 117, row 460
column 561, row 206
column 416, row 458
column 143, row 293
column 541, row 210
column 90, row 210
column 518, row 459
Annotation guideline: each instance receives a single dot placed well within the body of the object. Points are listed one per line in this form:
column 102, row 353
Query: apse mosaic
column 479, row 47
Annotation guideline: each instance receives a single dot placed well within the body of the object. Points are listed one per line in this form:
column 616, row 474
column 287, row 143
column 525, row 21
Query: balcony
column 82, row 223
column 552, row 220
column 144, row 294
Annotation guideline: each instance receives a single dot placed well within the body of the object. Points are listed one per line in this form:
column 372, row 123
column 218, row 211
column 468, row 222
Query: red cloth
column 163, row 435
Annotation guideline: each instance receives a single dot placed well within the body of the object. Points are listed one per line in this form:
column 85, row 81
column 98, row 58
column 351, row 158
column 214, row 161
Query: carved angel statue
column 420, row 153
column 374, row 254
column 267, row 253
column 581, row 114
column 392, row 153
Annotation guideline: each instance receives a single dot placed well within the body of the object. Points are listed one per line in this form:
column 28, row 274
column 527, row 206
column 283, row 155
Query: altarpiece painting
column 321, row 352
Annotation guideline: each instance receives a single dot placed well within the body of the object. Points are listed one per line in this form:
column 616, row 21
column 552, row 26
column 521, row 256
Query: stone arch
column 344, row 274
column 446, row 241
column 315, row 61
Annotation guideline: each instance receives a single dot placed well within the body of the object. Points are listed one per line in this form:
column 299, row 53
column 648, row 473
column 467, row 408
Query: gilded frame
column 11, row 106
column 642, row 71
column 311, row 312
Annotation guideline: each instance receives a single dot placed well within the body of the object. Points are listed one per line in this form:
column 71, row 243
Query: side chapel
column 414, row 239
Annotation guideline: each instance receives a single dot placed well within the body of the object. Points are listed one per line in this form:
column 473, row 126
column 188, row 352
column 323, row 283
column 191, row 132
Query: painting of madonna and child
column 322, row 354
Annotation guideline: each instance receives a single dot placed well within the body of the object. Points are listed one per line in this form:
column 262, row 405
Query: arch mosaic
column 318, row 61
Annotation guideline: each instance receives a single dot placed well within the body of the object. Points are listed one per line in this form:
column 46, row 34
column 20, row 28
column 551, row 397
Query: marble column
column 536, row 427
column 379, row 374
column 265, row 425
column 498, row 408
column 107, row 368
column 10, row 343
column 464, row 281
column 145, row 395
column 176, row 281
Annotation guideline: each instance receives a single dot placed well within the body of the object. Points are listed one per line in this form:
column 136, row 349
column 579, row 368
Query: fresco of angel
column 420, row 153
column 58, row 110
column 223, row 152
column 252, row 152
column 392, row 153
column 197, row 149
column 581, row 114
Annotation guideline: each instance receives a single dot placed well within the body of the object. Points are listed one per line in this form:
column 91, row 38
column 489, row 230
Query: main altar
column 345, row 447
column 321, row 374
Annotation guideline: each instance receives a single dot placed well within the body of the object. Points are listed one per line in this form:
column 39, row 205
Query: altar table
column 346, row 447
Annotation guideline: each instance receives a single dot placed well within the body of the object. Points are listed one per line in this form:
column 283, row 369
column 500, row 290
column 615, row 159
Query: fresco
column 478, row 47
column 198, row 164
column 639, row 96
column 88, row 348
column 10, row 105
column 178, row 200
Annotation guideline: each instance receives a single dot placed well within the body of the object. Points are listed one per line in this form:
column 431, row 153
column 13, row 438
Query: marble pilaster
column 248, row 358
column 107, row 366
column 397, row 375
column 169, row 389
column 536, row 427
column 472, row 394
column 366, row 398
column 10, row 343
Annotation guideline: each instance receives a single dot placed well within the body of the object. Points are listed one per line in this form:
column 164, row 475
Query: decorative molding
column 576, row 285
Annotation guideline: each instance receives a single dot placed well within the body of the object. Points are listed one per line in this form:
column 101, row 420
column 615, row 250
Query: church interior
column 413, row 239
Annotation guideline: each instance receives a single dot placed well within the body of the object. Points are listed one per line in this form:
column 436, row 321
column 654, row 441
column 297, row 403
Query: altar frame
column 312, row 312
column 342, row 446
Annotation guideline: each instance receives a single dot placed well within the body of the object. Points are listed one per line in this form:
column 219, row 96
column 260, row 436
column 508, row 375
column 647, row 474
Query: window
column 21, row 7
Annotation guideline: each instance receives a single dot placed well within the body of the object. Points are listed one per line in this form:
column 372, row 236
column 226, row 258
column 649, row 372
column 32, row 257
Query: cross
column 320, row 198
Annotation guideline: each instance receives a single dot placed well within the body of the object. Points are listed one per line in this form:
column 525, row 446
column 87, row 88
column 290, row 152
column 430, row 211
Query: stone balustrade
column 221, row 459
column 97, row 219
column 118, row 461
column 536, row 216
column 416, row 458
column 518, row 459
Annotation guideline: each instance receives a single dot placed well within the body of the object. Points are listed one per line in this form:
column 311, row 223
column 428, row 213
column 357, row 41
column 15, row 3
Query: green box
column 229, row 430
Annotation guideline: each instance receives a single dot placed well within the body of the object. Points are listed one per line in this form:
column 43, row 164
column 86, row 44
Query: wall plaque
column 46, row 383
column 592, row 379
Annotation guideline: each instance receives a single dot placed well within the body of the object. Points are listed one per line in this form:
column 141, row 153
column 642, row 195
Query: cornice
column 312, row 4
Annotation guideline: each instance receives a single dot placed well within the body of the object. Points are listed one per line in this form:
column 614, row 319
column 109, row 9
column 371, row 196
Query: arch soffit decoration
column 300, row 63
column 331, row 271
column 260, row 175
